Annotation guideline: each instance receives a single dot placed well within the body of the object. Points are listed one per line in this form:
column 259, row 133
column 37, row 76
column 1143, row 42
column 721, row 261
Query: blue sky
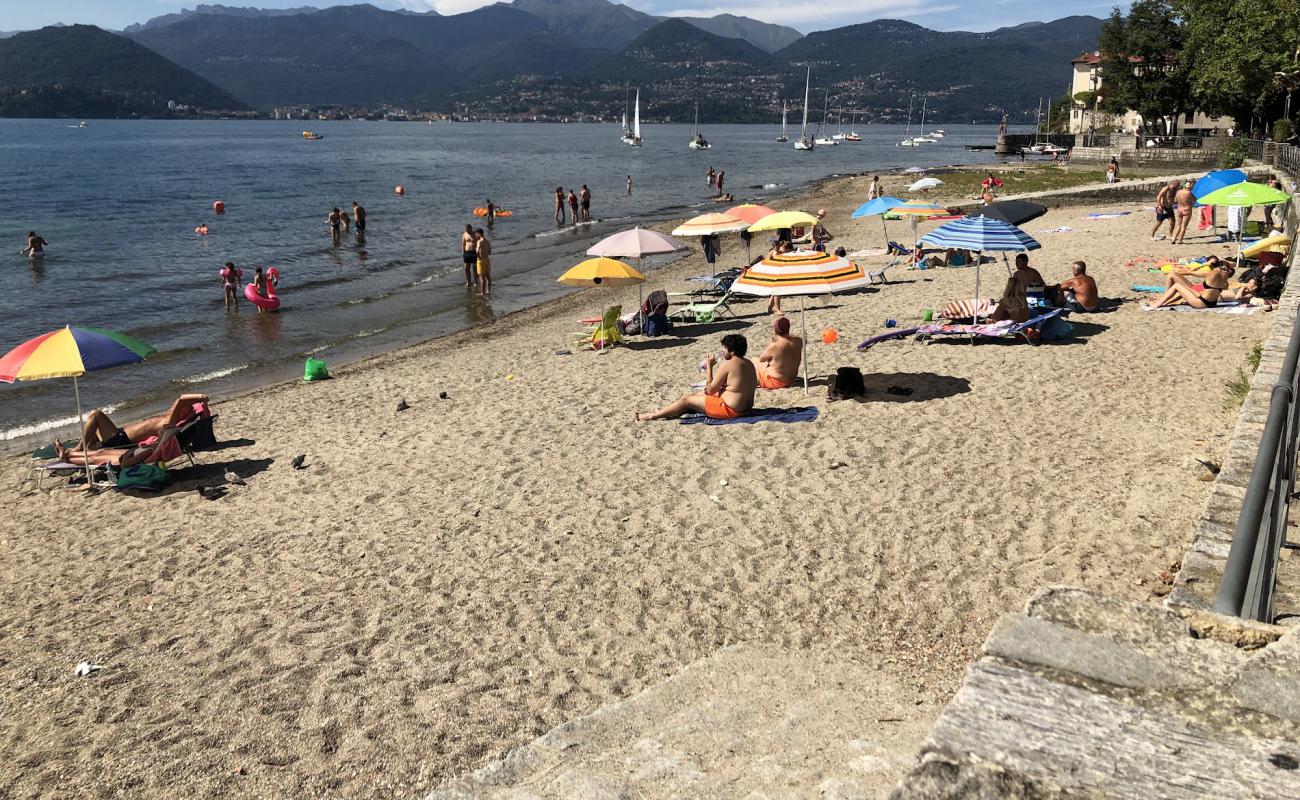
column 805, row 16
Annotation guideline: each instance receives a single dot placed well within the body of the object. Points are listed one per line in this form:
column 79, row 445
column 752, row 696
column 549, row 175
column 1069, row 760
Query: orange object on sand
column 830, row 336
column 714, row 408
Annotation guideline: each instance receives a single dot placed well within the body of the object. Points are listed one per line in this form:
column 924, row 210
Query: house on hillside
column 1087, row 117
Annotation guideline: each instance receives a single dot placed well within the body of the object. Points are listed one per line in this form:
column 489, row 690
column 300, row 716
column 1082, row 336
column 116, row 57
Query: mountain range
column 565, row 58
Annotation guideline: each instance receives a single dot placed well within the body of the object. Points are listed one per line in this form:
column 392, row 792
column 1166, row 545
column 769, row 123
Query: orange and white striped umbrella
column 802, row 272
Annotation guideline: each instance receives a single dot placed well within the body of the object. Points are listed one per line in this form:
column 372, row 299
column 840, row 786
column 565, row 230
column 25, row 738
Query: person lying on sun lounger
column 100, row 431
column 728, row 390
column 118, row 456
column 1178, row 289
column 778, row 365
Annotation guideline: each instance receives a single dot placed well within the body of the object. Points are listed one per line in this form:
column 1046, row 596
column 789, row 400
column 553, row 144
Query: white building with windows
column 1089, row 118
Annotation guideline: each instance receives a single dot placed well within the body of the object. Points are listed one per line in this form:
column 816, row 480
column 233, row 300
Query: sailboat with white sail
column 852, row 135
column 923, row 139
column 805, row 141
column 632, row 136
column 783, row 137
column 698, row 142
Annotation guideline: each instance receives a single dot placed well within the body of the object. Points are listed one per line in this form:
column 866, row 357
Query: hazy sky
column 806, row 16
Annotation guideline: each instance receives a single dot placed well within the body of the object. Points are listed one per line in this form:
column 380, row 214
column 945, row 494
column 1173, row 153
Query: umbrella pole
column 81, row 426
column 975, row 309
column 884, row 229
column 803, row 323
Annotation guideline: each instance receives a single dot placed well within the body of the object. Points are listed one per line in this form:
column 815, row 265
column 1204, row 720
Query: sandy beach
column 442, row 584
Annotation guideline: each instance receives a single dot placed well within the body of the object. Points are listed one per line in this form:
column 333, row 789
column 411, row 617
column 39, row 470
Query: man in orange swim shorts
column 778, row 364
column 728, row 390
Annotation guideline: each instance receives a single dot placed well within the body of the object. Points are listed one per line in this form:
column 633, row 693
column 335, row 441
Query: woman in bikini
column 117, row 456
column 1179, row 289
column 231, row 278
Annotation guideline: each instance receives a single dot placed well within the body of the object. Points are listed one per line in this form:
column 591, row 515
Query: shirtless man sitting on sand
column 1030, row 278
column 778, row 365
column 101, row 432
column 728, row 389
column 1079, row 293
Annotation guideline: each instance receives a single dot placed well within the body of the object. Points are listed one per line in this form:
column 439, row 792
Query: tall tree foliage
column 1143, row 63
column 1242, row 52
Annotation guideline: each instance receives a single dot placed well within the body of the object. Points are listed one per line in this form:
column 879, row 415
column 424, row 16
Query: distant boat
column 82, row 124
column 908, row 141
column 923, row 139
column 783, row 137
column 822, row 138
column 311, row 135
column 698, row 142
column 852, row 135
column 805, row 141
column 633, row 138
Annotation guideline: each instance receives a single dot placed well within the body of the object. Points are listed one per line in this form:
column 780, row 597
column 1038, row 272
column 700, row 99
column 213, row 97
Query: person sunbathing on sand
column 113, row 456
column 1178, row 289
column 728, row 390
column 101, row 432
column 777, row 366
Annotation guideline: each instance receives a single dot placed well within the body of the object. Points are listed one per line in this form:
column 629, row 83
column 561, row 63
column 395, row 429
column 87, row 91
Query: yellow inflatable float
column 1273, row 244
column 481, row 211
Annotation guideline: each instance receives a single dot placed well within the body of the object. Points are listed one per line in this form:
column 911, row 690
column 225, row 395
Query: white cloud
column 444, row 6
column 798, row 16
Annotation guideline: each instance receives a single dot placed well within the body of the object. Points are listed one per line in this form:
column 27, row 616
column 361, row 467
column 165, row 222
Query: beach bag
column 315, row 370
column 658, row 325
column 846, row 383
column 199, row 436
column 149, row 477
column 1055, row 328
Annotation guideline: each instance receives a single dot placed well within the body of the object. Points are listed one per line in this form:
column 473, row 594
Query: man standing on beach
column 359, row 217
column 585, row 198
column 469, row 254
column 573, row 206
column 1164, row 209
column 483, row 249
column 559, row 205
column 873, row 191
column 1185, row 202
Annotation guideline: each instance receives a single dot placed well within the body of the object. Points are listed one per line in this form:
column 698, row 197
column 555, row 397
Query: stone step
column 747, row 722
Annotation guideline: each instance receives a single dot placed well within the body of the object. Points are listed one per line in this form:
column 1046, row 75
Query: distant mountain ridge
column 80, row 70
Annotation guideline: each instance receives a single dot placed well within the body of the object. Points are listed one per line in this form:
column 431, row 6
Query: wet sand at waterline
column 443, row 584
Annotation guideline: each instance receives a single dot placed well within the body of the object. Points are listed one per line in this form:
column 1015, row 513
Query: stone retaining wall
column 1149, row 157
column 1202, row 567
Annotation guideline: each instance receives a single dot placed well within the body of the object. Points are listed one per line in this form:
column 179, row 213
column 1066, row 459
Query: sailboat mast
column 636, row 117
column 807, row 85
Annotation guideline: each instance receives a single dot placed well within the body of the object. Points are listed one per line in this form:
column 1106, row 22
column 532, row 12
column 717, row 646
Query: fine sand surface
column 446, row 583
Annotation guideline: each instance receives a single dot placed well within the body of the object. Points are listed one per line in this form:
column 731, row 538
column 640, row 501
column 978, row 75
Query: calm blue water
column 119, row 201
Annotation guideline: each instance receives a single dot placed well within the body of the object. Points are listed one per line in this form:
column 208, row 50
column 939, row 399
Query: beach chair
column 717, row 284
column 704, row 311
column 1006, row 330
column 605, row 333
column 879, row 275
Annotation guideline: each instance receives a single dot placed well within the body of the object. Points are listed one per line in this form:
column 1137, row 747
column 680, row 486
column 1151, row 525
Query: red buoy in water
column 219, row 207
column 401, row 190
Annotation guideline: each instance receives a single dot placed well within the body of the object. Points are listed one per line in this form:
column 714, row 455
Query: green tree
column 1242, row 52
column 1142, row 61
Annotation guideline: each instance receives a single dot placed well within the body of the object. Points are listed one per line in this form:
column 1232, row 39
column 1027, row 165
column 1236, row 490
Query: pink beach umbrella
column 636, row 243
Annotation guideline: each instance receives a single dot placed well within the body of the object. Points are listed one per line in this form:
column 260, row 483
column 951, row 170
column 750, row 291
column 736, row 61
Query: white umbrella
column 925, row 184
column 636, row 243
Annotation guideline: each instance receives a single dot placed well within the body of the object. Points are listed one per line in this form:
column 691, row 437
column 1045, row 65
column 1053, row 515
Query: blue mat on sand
column 796, row 414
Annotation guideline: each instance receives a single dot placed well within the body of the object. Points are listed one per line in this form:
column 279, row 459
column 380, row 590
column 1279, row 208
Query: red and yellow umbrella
column 749, row 212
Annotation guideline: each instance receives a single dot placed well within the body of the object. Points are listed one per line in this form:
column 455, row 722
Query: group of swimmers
column 337, row 220
column 579, row 203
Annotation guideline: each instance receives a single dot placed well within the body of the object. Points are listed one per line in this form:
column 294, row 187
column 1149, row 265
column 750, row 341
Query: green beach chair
column 604, row 334
column 704, row 312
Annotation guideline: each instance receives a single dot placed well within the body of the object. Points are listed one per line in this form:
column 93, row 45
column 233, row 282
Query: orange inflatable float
column 481, row 211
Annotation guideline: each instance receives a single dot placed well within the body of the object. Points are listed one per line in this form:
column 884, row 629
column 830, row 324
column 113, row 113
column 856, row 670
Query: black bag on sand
column 847, row 383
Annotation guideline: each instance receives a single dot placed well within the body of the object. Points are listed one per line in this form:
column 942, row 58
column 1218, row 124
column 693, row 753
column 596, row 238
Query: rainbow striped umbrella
column 70, row 353
column 801, row 273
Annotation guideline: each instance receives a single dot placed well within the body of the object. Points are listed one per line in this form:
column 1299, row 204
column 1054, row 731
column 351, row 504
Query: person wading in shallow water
column 559, row 205
column 469, row 255
column 573, row 206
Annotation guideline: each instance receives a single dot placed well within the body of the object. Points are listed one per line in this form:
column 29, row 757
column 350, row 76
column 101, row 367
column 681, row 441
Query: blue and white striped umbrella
column 980, row 234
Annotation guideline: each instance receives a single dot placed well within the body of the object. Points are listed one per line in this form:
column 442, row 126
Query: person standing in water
column 469, row 254
column 335, row 220
column 359, row 217
column 721, row 176
column 491, row 210
column 483, row 248
column 584, row 197
column 573, row 206
column 629, row 184
column 559, row 205
column 231, row 278
column 711, row 177
column 259, row 286
column 35, row 245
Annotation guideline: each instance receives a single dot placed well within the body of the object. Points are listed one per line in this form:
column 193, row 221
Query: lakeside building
column 1089, row 118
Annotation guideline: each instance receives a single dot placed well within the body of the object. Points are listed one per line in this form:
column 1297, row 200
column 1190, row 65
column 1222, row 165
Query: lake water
column 118, row 202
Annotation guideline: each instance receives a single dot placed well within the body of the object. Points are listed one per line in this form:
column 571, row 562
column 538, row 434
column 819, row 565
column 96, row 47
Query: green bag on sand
column 315, row 370
column 142, row 476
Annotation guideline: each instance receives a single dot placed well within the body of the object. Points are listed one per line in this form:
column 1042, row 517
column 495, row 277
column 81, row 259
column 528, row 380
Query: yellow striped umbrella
column 710, row 224
column 801, row 273
column 916, row 210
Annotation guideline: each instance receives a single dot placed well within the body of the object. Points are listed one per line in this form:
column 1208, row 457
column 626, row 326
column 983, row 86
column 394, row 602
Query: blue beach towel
column 796, row 414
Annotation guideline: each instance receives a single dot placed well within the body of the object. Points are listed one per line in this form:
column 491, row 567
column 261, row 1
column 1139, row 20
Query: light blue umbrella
column 1213, row 181
column 981, row 234
column 878, row 207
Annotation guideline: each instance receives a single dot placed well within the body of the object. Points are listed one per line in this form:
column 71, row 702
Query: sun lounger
column 1005, row 329
column 879, row 275
column 704, row 312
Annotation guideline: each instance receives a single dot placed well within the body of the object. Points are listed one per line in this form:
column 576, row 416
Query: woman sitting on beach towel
column 1013, row 305
column 165, row 448
column 1179, row 290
